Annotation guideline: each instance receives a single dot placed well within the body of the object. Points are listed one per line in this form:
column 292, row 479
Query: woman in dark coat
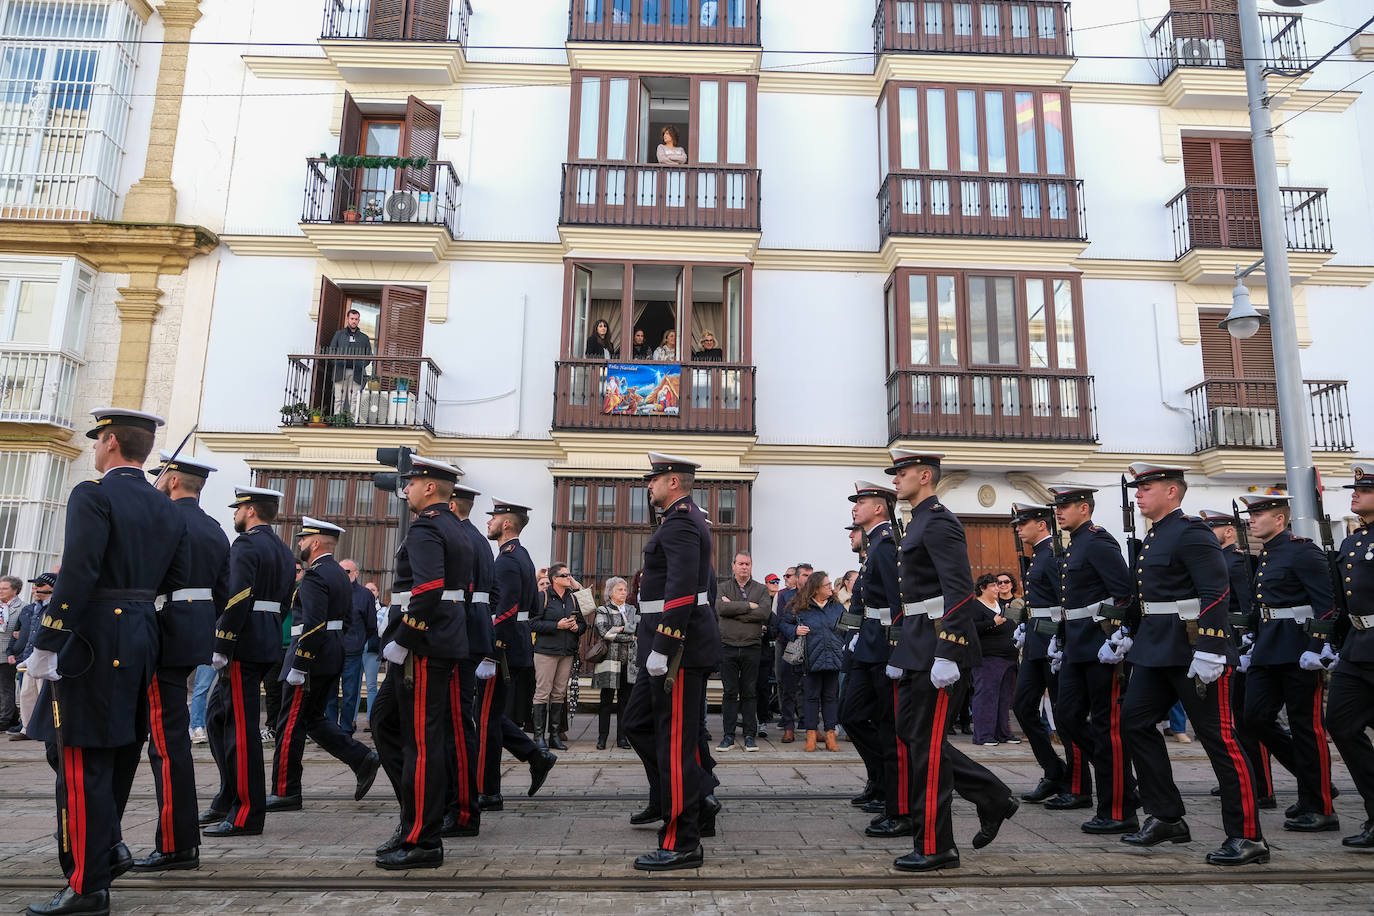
column 814, row 613
column 599, row 344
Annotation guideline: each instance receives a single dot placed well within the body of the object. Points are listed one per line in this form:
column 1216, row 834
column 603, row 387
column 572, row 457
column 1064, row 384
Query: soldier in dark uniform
column 310, row 674
column 1032, row 526
column 186, row 624
column 1091, row 681
column 1350, row 705
column 663, row 717
column 869, row 703
column 1292, row 586
column 1182, row 650
column 262, row 574
column 936, row 642
column 96, row 649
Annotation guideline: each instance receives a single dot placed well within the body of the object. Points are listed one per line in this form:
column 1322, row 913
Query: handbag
column 591, row 647
column 795, row 653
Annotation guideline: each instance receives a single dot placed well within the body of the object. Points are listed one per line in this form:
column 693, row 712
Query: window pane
column 882, row 139
column 992, row 321
column 605, row 503
column 639, row 510
column 947, row 321
column 934, row 18
column 74, row 329
column 305, row 496
column 577, row 552
column 734, row 318
column 334, row 497
column 363, row 498
column 708, row 121
column 33, row 321
column 991, row 22
column 978, row 320
column 702, row 498
column 1054, row 133
column 618, row 98
column 1044, row 17
column 577, row 503
column 963, row 19
column 1065, row 350
column 1025, row 133
column 911, row 137
column 906, row 17
column 1020, row 21
column 605, row 560
column 1007, row 350
column 968, row 130
column 996, row 132
column 725, row 511
column 1035, row 323
column 737, row 115
column 918, row 286
column 590, row 120
column 937, row 142
column 891, row 328
column 582, row 297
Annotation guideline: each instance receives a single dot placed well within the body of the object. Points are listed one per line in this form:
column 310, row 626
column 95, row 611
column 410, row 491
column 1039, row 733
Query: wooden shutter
column 420, row 138
column 1235, row 164
column 386, row 19
column 401, row 332
column 350, row 144
column 1198, row 165
column 1225, row 357
column 427, row 20
column 331, row 314
column 1221, row 218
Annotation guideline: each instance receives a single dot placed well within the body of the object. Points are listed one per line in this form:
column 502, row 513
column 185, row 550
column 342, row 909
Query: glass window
column 907, row 117
column 906, row 17
column 708, row 122
column 305, row 496
column 882, row 140
column 1035, row 323
column 639, row 505
column 618, row 98
column 1054, row 133
column 996, row 132
column 937, row 141
column 990, row 15
column 992, row 321
column 592, row 10
column 1027, row 160
column 918, row 290
column 725, row 508
column 334, row 493
column 968, row 130
column 734, row 317
column 963, row 19
column 649, row 12
column 891, row 328
column 581, row 304
column 605, row 504
column 577, row 503
column 934, row 18
column 947, row 321
column 589, row 121
column 1064, row 345
column 74, row 329
column 737, row 116
column 1044, row 21
column 33, row 312
column 364, row 498
column 577, row 552
column 1020, row 21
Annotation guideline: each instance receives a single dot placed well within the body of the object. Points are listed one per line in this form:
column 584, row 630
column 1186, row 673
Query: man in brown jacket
column 742, row 606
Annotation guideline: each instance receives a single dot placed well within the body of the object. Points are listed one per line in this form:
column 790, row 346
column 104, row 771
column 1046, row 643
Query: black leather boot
column 551, row 714
column 541, row 720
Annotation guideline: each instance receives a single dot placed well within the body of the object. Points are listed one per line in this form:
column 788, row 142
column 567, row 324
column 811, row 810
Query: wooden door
column 420, row 138
column 350, row 144
column 401, row 334
column 992, row 546
column 1248, row 364
column 1224, row 210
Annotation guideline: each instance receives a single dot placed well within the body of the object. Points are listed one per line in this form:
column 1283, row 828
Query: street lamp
column 1243, row 322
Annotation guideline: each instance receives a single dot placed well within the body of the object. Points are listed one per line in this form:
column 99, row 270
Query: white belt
column 402, row 599
column 187, row 594
column 522, row 616
column 1083, row 613
column 1187, row 609
column 480, row 598
column 270, row 607
column 299, row 628
column 1047, row 613
column 1298, row 613
column 656, row 606
column 1362, row 623
column 931, row 607
column 881, row 614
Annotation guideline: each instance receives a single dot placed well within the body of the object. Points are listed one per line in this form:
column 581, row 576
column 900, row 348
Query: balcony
column 1227, row 217
column 56, row 197
column 981, row 206
column 1212, row 40
column 405, row 214
column 972, row 404
column 685, row 22
column 651, row 196
column 1244, row 413
column 364, row 39
column 710, row 397
column 1038, row 28
column 396, row 392
column 37, row 385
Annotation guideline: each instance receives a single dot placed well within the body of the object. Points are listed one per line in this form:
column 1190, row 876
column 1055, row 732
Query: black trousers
column 1148, row 697
column 1032, row 681
column 822, row 689
column 462, row 745
column 938, row 769
column 1301, row 750
column 422, row 701
column 665, row 726
column 271, row 682
column 384, row 717
column 169, row 754
column 1349, row 711
column 789, row 693
column 93, row 785
column 1255, row 751
column 739, row 678
column 868, row 713
column 498, row 730
column 613, row 697
column 763, row 689
column 302, row 714
column 519, row 696
column 232, row 725
column 1089, row 713
column 9, row 708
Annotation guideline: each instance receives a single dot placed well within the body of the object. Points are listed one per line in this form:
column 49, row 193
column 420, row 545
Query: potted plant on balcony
column 351, row 215
column 295, row 414
column 372, row 210
column 340, row 420
column 317, row 418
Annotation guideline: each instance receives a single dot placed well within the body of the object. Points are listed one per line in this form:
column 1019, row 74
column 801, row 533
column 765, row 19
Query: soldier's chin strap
column 168, row 463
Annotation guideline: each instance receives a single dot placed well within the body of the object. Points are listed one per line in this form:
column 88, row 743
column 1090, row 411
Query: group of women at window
column 600, row 345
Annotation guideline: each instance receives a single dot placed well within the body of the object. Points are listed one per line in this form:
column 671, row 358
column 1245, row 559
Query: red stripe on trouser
column 76, row 815
column 460, row 746
column 1250, row 821
column 159, row 739
column 903, row 762
column 675, row 800
column 1323, row 752
column 240, row 742
column 937, row 737
column 488, row 691
column 1265, row 768
column 283, row 766
column 1118, row 754
column 421, row 748
column 1075, row 769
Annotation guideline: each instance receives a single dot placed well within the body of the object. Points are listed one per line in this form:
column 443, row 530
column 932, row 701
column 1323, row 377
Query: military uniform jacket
column 933, row 562
column 1042, row 590
column 1357, row 575
column 481, row 638
column 1238, row 571
column 322, row 602
column 513, row 596
column 125, row 544
column 876, row 588
column 1094, row 570
column 187, row 627
column 262, row 573
column 435, row 565
column 1180, row 559
column 1292, row 572
column 677, row 571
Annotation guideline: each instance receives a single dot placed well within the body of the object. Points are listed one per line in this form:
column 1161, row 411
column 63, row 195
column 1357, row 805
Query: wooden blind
column 387, row 19
column 420, row 138
column 427, row 20
column 331, row 313
column 1223, row 356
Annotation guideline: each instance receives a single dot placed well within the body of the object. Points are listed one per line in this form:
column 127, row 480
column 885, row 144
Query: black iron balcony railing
column 981, row 206
column 708, row 397
column 427, row 196
column 974, row 404
column 1027, row 27
column 329, row 390
column 647, row 195
column 1213, row 40
column 397, row 20
column 1244, row 413
column 1227, row 216
column 694, row 22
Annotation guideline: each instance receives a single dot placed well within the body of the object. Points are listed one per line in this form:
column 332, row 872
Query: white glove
column 1329, row 656
column 395, row 652
column 1120, row 634
column 1247, row 639
column 218, row 661
column 383, row 615
column 1055, row 650
column 1207, row 667
column 43, row 665
column 1020, row 635
column 853, row 642
column 1109, row 654
column 1310, row 661
column 1122, row 645
column 295, row 677
column 1245, row 661
column 486, row 670
column 656, row 664
column 1056, row 662
column 894, row 672
column 944, row 673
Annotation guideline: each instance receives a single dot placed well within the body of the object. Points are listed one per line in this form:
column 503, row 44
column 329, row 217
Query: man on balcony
column 349, row 340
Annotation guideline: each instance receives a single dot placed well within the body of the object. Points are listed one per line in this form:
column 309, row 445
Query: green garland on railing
column 338, row 161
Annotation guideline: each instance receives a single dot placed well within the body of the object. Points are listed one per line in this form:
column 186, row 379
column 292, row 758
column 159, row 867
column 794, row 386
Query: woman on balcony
column 667, row 351
column 669, row 152
column 642, row 350
column 599, row 344
column 710, row 350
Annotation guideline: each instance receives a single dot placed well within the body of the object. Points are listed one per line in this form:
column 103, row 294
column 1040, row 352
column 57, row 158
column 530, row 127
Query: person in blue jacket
column 814, row 614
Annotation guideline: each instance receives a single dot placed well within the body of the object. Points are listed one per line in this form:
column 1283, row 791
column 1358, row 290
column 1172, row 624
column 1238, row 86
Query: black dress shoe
column 181, row 860
column 991, row 822
column 451, row 828
column 601, row 743
column 392, row 844
column 877, row 819
column 211, row 816
column 121, row 859
column 68, row 901
column 623, row 743
column 1157, row 831
column 1044, row 790
column 890, row 827
column 649, row 815
column 540, row 765
column 874, row 806
column 1067, row 801
column 869, row 793
column 1216, row 791
column 1362, row 840
column 710, row 807
column 915, row 861
column 491, row 803
column 1109, row 825
column 413, row 857
column 283, row 803
column 1310, row 822
column 1267, row 802
column 227, row 828
column 1239, row 851
column 666, row 860
column 367, row 774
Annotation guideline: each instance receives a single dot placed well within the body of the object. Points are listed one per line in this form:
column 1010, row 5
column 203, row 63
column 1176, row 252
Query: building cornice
column 671, row 244
column 112, row 247
column 1362, row 46
column 38, row 437
column 643, row 57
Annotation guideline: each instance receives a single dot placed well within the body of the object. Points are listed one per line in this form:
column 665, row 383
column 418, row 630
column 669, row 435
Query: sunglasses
column 563, row 576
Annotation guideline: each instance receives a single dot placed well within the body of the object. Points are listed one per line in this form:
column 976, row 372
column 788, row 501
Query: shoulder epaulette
column 936, row 507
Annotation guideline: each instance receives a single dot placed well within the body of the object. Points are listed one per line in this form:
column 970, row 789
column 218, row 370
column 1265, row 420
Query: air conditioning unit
column 1245, row 427
column 1200, row 52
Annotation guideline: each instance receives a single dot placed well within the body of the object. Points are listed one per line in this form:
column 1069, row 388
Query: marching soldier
column 1091, row 682
column 1292, row 586
column 186, row 623
column 936, row 640
column 869, row 703
column 310, row 673
column 663, row 718
column 247, row 643
column 1182, row 650
column 1350, row 705
column 96, row 651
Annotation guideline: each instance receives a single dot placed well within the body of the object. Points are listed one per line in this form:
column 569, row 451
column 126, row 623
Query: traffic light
column 398, row 458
